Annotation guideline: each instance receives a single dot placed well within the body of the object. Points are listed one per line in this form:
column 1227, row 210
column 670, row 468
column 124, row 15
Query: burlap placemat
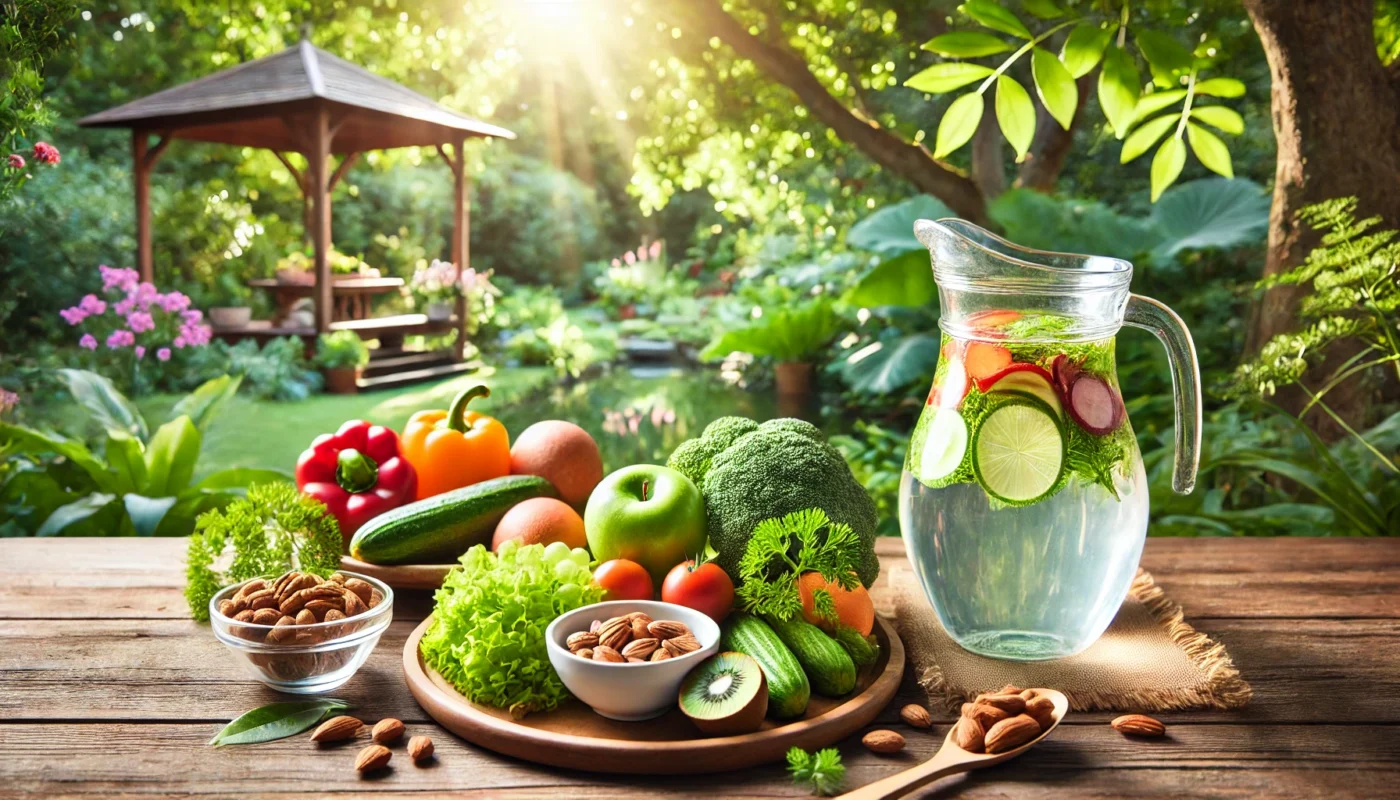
column 1149, row 659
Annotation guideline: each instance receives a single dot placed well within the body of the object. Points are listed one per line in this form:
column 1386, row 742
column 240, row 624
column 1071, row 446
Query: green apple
column 646, row 513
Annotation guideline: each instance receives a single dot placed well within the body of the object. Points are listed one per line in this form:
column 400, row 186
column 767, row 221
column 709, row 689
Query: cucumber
column 829, row 667
column 442, row 527
column 788, row 690
column 863, row 649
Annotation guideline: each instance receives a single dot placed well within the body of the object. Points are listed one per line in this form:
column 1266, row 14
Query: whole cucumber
column 827, row 663
column 863, row 649
column 788, row 690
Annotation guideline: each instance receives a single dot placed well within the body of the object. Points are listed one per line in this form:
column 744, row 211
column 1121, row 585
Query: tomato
column 705, row 588
column 624, row 580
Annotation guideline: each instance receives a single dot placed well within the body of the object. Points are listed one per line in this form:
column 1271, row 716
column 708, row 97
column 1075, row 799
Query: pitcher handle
column 1150, row 315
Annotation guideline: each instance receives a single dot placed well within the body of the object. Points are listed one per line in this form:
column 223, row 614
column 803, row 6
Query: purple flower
column 140, row 352
column 120, row 338
column 163, row 354
column 140, row 321
column 73, row 315
column 92, row 304
column 15, row 161
column 88, row 341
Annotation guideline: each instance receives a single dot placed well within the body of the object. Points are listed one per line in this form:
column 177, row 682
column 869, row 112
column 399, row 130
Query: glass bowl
column 304, row 659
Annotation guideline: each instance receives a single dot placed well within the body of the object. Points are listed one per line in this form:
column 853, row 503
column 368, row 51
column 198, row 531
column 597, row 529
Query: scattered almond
column 916, row 716
column 374, row 757
column 1011, row 733
column 387, row 730
column 337, row 729
column 1138, row 725
column 883, row 742
column 420, row 748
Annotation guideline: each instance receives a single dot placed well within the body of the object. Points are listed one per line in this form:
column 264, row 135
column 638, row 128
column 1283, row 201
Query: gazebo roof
column 247, row 105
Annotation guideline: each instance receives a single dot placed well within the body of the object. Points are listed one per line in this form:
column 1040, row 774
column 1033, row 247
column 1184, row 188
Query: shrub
column 341, row 350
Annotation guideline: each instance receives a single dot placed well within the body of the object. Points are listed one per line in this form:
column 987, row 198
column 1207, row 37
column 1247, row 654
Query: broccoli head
column 780, row 467
column 692, row 458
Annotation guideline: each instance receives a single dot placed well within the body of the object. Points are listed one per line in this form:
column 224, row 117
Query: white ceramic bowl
column 628, row 692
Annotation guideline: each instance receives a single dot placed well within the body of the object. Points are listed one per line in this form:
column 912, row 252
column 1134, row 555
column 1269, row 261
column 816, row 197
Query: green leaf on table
column 1210, row 150
column 1150, row 104
column 1226, row 119
column 107, row 405
column 1166, row 165
column 1220, row 87
column 76, row 511
column 1015, row 115
column 958, row 124
column 966, row 44
column 945, row 77
column 278, row 721
column 1211, row 213
column 883, row 367
column 127, row 458
column 1146, row 135
column 1083, row 48
column 146, row 513
column 201, row 404
column 1043, row 9
column 171, row 456
column 1119, row 87
column 1165, row 56
column 994, row 16
column 1055, row 86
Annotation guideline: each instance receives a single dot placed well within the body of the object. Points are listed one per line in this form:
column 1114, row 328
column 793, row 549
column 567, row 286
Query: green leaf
column 1166, row 165
column 16, row 439
column 946, row 77
column 1119, row 87
column 1165, row 55
column 278, row 721
column 1150, row 104
column 241, row 478
column 1220, row 87
column 76, row 511
column 958, row 124
column 1212, row 213
column 967, row 44
column 884, row 367
column 171, row 456
column 1044, row 9
column 127, row 458
column 1210, row 150
column 905, row 280
column 1083, row 48
column 107, row 405
column 180, row 519
column 784, row 333
column 994, row 16
column 1055, row 86
column 1226, row 119
column 203, row 403
column 1015, row 115
column 1146, row 135
column 146, row 513
column 890, row 231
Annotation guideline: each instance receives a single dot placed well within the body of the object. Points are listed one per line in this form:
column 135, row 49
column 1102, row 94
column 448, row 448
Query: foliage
column 487, row 638
column 278, row 721
column 782, row 549
column 822, row 772
column 784, row 333
column 137, row 483
column 278, row 371
column 341, row 350
column 272, row 530
column 876, row 457
column 1091, row 38
column 30, row 32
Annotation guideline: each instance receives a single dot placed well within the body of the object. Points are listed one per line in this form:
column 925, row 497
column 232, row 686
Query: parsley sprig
column 822, row 770
column 782, row 549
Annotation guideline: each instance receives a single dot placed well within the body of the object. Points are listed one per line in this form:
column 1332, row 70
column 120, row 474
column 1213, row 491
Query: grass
column 270, row 435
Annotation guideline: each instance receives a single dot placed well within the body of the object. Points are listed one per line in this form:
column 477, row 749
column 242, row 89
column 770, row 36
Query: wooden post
column 141, row 173
column 317, row 157
column 461, row 235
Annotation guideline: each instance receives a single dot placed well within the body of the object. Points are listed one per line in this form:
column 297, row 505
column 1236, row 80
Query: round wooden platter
column 400, row 576
column 574, row 737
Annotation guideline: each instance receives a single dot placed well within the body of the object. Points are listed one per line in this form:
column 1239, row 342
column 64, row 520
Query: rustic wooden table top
column 107, row 688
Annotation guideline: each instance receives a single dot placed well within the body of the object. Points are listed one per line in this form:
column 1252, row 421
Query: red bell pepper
column 358, row 472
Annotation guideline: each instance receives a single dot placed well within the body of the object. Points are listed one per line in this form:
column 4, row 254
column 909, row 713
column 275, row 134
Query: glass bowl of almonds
column 299, row 633
column 627, row 658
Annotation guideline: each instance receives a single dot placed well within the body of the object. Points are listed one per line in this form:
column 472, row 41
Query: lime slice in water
column 944, row 445
column 1018, row 451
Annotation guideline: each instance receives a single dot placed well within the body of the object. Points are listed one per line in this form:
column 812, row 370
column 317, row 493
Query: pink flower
column 179, row 342
column 140, row 352
column 46, row 153
column 191, row 316
column 642, row 253
column 88, row 341
column 73, row 315
column 175, row 301
column 92, row 304
column 124, row 307
column 656, row 248
column 617, row 262
column 120, row 338
column 145, row 294
column 163, row 354
column 15, row 161
column 124, row 279
column 8, row 400
column 140, row 321
column 629, row 257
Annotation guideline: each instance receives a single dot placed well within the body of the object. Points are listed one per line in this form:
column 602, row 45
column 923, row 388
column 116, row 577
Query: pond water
column 639, row 415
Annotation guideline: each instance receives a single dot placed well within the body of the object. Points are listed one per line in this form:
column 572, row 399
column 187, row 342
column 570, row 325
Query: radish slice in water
column 953, row 388
column 1094, row 404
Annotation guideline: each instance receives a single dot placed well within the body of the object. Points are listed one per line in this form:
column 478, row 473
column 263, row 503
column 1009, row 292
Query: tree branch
column 913, row 162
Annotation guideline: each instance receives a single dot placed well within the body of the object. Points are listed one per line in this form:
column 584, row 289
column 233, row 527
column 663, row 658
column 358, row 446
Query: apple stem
column 644, row 489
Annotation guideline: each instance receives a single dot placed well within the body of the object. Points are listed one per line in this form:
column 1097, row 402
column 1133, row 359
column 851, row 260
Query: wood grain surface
column 107, row 688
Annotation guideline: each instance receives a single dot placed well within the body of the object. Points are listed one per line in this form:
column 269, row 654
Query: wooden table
column 107, row 688
column 352, row 294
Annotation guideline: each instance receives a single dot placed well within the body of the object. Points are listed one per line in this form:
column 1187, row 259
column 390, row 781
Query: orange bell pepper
column 455, row 448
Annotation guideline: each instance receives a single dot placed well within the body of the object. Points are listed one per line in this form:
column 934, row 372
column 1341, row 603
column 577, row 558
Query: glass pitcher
column 1024, row 502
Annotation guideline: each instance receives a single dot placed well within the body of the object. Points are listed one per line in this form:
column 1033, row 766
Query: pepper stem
column 456, row 416
column 355, row 472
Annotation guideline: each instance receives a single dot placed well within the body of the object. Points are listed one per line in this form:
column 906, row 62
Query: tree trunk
column 988, row 161
column 1052, row 143
column 1336, row 111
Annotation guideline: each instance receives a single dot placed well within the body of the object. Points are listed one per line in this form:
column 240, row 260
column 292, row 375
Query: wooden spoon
column 952, row 760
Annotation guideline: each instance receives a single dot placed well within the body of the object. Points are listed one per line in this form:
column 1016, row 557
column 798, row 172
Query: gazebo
column 305, row 100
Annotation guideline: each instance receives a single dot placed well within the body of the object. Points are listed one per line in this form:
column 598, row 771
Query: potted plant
column 792, row 336
column 231, row 309
column 342, row 358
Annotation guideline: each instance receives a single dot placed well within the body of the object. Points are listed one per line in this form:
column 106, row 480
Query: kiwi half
column 726, row 694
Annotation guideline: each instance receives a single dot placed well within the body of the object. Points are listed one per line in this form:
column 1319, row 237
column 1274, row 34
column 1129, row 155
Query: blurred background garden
column 701, row 197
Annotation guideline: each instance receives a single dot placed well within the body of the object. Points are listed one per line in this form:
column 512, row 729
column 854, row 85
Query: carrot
column 983, row 360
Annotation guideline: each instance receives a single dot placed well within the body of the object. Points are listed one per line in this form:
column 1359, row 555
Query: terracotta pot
column 794, row 379
column 343, row 380
column 230, row 316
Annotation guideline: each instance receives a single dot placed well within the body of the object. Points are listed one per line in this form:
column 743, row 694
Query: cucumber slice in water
column 944, row 446
column 1018, row 451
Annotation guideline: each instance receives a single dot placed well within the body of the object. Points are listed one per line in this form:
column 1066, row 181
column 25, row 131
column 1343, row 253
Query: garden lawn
column 270, row 435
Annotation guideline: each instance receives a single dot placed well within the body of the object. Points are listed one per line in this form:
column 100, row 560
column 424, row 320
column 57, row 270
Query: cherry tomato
column 706, row 588
column 624, row 580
